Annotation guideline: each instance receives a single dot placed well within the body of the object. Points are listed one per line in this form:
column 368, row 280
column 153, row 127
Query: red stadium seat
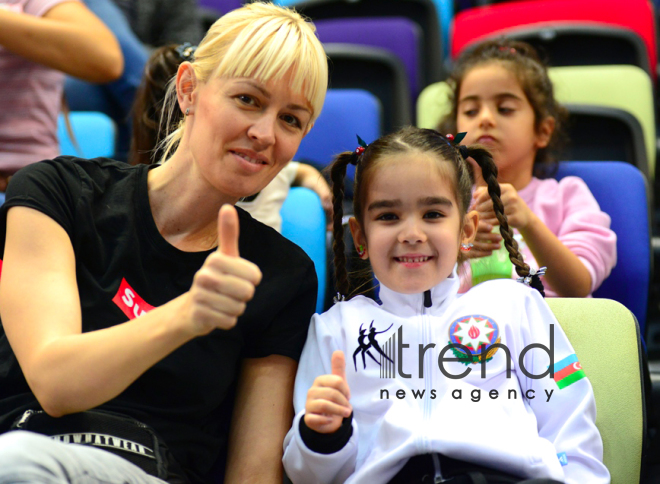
column 603, row 19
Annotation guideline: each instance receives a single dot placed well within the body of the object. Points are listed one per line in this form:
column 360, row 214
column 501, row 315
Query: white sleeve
column 565, row 407
column 301, row 464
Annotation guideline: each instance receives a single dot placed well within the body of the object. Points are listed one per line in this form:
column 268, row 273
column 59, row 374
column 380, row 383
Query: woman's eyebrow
column 266, row 94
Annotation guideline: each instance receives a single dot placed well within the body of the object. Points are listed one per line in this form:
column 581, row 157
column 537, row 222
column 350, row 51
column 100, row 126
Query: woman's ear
column 359, row 239
column 470, row 224
column 186, row 83
column 544, row 132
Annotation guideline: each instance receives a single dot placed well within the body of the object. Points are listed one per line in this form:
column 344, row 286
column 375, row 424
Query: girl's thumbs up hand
column 225, row 283
column 328, row 399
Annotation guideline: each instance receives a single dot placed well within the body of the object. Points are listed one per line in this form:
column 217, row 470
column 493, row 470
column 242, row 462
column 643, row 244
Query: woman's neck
column 184, row 205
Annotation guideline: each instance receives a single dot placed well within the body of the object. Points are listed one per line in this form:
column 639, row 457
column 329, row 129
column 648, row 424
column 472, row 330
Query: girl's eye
column 433, row 215
column 291, row 120
column 470, row 112
column 386, row 217
column 505, row 110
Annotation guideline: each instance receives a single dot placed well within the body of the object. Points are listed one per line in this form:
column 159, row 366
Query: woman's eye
column 291, row 120
column 246, row 99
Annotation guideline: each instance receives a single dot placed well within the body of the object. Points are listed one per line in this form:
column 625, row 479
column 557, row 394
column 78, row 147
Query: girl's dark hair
column 532, row 75
column 404, row 141
column 148, row 106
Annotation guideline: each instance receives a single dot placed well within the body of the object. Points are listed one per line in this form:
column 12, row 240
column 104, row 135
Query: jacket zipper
column 428, row 383
column 438, row 478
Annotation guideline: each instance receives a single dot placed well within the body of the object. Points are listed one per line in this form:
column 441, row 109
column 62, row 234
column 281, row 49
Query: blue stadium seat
column 622, row 193
column 346, row 113
column 94, row 134
column 303, row 222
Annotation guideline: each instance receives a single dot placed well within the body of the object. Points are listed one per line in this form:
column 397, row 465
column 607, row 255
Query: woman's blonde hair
column 261, row 41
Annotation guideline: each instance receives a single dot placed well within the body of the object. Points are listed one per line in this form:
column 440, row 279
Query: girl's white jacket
column 521, row 425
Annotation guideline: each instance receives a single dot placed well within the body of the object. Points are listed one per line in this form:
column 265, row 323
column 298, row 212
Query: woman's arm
column 70, row 371
column 263, row 413
column 68, row 38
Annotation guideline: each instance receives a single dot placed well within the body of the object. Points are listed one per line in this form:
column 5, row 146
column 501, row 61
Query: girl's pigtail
column 337, row 175
column 489, row 173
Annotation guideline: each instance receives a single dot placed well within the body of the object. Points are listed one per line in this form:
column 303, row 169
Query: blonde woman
column 127, row 289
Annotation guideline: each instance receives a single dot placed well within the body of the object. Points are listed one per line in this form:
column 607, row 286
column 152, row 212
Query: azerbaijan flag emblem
column 568, row 371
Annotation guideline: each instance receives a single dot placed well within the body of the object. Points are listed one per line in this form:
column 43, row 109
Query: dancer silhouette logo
column 366, row 342
column 472, row 340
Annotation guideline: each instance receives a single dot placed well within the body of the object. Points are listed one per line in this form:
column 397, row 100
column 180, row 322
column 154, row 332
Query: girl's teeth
column 414, row 259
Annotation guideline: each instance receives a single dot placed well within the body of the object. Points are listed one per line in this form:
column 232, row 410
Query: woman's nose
column 262, row 131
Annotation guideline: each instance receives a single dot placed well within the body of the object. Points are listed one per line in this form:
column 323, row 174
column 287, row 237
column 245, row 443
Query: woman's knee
column 25, row 452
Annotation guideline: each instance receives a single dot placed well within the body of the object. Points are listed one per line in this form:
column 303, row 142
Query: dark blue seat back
column 622, row 193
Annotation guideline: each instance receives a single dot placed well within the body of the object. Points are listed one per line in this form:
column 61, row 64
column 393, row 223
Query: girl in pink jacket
column 503, row 98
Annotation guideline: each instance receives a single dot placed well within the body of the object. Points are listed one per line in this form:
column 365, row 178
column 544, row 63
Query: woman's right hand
column 328, row 398
column 225, row 283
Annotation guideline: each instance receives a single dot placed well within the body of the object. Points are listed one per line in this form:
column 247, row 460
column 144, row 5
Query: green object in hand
column 495, row 266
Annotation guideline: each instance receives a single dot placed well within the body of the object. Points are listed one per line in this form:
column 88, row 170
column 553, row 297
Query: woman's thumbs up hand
column 225, row 283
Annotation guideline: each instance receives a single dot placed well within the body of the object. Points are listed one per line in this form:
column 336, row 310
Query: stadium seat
column 346, row 113
column 623, row 87
column 571, row 32
column 93, row 132
column 398, row 35
column 303, row 222
column 375, row 70
column 605, row 133
column 607, row 342
column 422, row 12
column 622, row 192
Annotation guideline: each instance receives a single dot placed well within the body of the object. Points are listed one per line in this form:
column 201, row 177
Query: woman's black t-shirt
column 125, row 267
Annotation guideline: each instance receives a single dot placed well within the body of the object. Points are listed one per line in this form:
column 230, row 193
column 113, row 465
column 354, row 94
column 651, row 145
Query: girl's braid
column 489, row 173
column 337, row 174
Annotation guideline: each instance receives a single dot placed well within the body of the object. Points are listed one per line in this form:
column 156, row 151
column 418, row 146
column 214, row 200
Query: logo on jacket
column 366, row 342
column 475, row 334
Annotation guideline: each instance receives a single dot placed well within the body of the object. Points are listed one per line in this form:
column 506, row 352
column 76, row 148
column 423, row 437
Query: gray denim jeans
column 27, row 457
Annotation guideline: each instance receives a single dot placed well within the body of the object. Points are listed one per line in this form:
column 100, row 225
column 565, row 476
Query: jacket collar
column 406, row 305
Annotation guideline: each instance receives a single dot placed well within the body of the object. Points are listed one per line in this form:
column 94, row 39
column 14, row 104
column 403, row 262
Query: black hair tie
column 355, row 158
column 464, row 151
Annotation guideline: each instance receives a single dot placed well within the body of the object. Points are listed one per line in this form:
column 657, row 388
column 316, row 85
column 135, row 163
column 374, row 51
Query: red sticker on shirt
column 130, row 302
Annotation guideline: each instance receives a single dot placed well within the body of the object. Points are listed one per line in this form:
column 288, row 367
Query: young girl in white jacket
column 424, row 385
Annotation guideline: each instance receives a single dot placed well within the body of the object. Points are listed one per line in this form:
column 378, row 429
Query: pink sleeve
column 38, row 8
column 574, row 216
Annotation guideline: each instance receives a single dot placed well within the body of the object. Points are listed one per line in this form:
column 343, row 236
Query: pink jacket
column 571, row 212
